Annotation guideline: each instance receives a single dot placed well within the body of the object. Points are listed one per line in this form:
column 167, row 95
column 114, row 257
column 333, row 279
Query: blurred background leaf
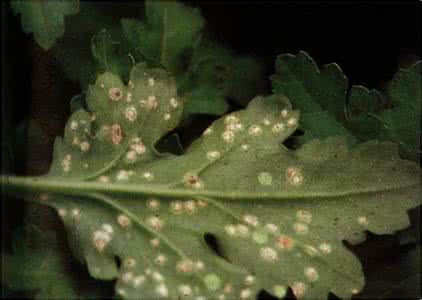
column 45, row 19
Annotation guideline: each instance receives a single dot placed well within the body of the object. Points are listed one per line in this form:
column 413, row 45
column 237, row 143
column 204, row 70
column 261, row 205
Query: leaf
column 319, row 94
column 134, row 107
column 44, row 18
column 402, row 122
column 138, row 40
column 216, row 75
column 77, row 102
column 74, row 51
column 170, row 29
column 107, row 56
column 363, row 107
column 37, row 267
column 279, row 217
column 245, row 79
column 206, row 100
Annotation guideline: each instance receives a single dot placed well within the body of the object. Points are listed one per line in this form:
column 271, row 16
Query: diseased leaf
column 115, row 124
column 279, row 216
column 45, row 19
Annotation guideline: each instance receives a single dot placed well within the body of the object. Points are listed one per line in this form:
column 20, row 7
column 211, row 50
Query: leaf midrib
column 67, row 186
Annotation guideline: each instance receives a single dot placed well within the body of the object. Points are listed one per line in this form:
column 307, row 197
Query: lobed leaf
column 361, row 114
column 74, row 51
column 279, row 217
column 107, row 56
column 320, row 94
column 363, row 108
column 99, row 140
column 402, row 122
column 169, row 30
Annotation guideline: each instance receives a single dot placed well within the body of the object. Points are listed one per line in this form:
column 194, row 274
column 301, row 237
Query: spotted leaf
column 122, row 124
column 278, row 217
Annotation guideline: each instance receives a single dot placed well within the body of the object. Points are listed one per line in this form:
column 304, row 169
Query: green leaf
column 204, row 100
column 402, row 122
column 319, row 94
column 119, row 113
column 74, row 51
column 363, row 107
column 170, row 29
column 245, row 79
column 138, row 40
column 77, row 102
column 107, row 56
column 44, row 18
column 279, row 216
column 215, row 75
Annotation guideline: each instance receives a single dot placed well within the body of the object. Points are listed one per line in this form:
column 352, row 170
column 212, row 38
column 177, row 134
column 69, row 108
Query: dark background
column 370, row 40
column 366, row 38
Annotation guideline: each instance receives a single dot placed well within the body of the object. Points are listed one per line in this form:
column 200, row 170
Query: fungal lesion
column 191, row 180
column 113, row 133
column 130, row 113
column 66, row 163
column 151, row 103
column 294, row 175
column 115, row 94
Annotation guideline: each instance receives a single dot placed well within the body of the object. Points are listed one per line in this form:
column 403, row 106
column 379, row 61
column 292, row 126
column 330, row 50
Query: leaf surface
column 108, row 56
column 402, row 122
column 169, row 30
column 320, row 94
column 279, row 217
